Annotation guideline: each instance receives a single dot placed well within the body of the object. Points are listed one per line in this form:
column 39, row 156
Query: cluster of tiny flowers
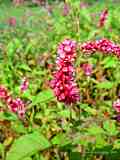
column 63, row 84
column 103, row 18
column 24, row 84
column 102, row 45
column 87, row 68
column 88, row 47
column 14, row 105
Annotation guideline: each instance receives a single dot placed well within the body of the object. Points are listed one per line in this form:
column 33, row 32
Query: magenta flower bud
column 66, row 9
column 12, row 21
column 3, row 92
column 8, row 99
column 63, row 84
column 24, row 85
column 116, row 105
column 13, row 106
column 87, row 68
column 103, row 18
column 20, row 108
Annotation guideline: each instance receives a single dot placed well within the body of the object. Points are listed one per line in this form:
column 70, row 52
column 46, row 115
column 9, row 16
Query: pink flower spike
column 63, row 84
column 116, row 105
column 24, row 85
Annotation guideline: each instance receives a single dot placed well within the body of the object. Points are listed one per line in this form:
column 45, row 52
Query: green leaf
column 2, row 149
column 24, row 67
column 75, row 156
column 18, row 127
column 110, row 127
column 42, row 97
column 105, row 85
column 27, row 145
column 27, row 94
column 61, row 140
column 100, row 141
column 10, row 49
column 8, row 116
column 28, row 48
column 88, row 109
column 28, row 158
column 110, row 62
column 64, row 113
column 95, row 130
column 116, row 144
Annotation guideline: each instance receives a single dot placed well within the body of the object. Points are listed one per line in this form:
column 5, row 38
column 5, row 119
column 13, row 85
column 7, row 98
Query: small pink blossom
column 20, row 108
column 12, row 21
column 66, row 9
column 3, row 92
column 87, row 68
column 13, row 106
column 116, row 105
column 24, row 85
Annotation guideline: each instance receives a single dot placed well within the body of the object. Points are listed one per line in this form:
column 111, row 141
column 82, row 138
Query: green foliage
column 27, row 145
column 105, row 85
column 110, row 127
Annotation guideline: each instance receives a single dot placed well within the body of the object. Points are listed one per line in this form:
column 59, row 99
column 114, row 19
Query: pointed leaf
column 27, row 145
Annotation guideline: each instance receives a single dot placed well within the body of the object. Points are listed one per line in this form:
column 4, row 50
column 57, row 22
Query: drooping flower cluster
column 14, row 105
column 102, row 45
column 63, row 84
column 103, row 17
